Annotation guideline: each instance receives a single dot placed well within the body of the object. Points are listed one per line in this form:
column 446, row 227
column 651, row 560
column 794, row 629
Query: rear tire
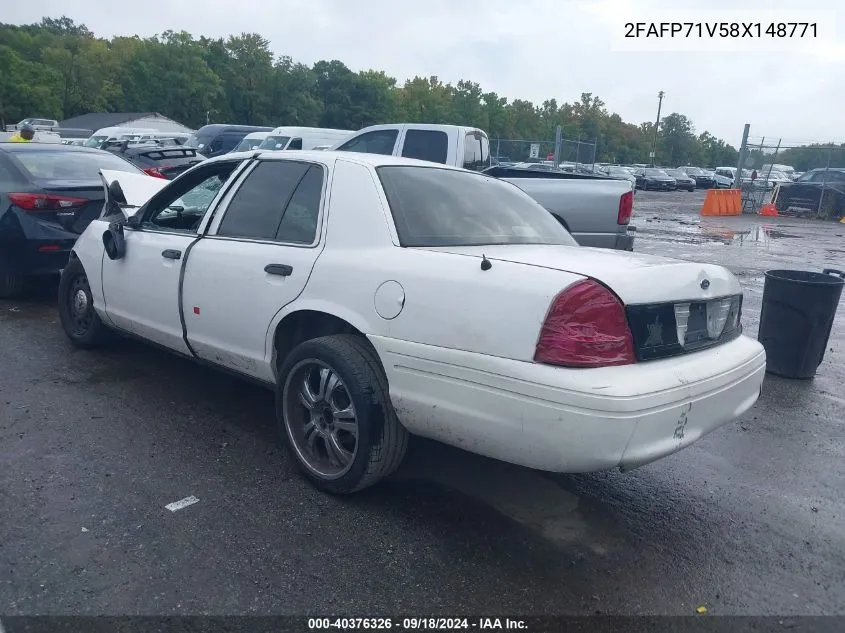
column 79, row 319
column 11, row 281
column 335, row 416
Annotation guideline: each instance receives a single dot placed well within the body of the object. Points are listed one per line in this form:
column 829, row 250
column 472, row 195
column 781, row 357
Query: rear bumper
column 617, row 241
column 26, row 257
column 570, row 420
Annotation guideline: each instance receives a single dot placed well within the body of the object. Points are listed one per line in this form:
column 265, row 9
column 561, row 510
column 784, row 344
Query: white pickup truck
column 596, row 210
column 381, row 297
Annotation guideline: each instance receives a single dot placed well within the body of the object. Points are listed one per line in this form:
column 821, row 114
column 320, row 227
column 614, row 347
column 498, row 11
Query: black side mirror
column 114, row 241
column 116, row 193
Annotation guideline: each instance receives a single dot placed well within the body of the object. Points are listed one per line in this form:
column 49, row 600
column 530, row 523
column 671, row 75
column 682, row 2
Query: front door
column 255, row 259
column 141, row 289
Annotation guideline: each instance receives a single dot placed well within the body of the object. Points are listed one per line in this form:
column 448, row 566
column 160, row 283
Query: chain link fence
column 812, row 187
column 573, row 154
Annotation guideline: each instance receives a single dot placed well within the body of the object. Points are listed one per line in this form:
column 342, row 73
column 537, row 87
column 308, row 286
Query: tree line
column 59, row 69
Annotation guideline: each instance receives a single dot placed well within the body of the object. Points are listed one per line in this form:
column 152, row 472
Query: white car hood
column 137, row 188
column 634, row 277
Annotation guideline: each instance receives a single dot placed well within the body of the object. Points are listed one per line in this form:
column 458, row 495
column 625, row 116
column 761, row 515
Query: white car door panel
column 141, row 289
column 257, row 260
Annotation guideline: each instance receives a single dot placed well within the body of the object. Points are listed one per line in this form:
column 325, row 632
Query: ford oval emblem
column 705, row 284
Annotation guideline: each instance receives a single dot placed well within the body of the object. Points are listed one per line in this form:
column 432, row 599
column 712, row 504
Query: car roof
column 323, row 156
column 35, row 147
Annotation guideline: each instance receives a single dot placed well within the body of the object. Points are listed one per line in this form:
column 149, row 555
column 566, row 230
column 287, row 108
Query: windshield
column 443, row 207
column 95, row 141
column 274, row 142
column 656, row 172
column 693, row 171
column 64, row 165
column 248, row 144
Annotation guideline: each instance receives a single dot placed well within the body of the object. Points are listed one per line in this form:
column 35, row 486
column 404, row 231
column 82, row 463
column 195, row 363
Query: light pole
column 660, row 96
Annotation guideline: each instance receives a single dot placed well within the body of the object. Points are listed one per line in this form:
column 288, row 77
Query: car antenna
column 486, row 264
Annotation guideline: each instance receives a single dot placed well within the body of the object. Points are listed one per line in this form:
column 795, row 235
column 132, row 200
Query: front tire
column 334, row 414
column 79, row 319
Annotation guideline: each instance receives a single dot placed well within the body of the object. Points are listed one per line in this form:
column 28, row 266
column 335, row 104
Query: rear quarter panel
column 449, row 301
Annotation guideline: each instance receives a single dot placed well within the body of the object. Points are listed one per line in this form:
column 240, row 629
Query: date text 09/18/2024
column 416, row 624
column 722, row 30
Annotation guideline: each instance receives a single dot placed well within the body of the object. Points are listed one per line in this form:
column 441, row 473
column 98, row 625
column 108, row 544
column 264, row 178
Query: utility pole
column 660, row 96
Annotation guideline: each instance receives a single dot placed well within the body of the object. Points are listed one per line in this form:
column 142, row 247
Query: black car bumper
column 36, row 257
column 660, row 185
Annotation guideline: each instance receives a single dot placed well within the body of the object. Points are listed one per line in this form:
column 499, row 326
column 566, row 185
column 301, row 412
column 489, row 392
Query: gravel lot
column 93, row 445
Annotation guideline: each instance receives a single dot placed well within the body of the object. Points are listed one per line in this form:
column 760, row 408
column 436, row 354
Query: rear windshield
column 172, row 156
column 274, row 142
column 59, row 165
column 444, row 207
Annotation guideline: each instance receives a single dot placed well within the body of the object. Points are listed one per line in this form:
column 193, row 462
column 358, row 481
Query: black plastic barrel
column 796, row 319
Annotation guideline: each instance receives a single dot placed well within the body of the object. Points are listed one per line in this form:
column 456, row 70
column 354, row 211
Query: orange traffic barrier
column 722, row 202
column 769, row 210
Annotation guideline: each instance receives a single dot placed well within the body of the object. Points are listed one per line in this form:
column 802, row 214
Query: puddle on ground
column 701, row 232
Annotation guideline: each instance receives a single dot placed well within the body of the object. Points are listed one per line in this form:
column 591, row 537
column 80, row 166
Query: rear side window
column 375, row 142
column 299, row 222
column 259, row 208
column 431, row 145
column 477, row 151
column 433, row 206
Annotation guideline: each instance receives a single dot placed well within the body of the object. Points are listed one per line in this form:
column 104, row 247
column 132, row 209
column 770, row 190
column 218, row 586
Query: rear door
column 384, row 140
column 255, row 259
column 428, row 143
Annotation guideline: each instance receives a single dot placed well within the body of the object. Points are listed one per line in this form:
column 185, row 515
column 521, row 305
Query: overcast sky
column 532, row 49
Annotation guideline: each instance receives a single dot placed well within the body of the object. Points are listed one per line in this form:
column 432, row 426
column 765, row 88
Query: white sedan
column 383, row 297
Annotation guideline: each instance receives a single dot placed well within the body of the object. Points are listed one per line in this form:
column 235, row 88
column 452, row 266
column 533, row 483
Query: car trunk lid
column 672, row 307
column 84, row 199
column 634, row 277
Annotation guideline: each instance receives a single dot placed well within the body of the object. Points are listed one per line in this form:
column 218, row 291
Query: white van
column 251, row 141
column 303, row 137
column 115, row 133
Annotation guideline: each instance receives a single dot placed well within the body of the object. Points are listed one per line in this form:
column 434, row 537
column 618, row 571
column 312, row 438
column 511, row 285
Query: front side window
column 181, row 206
column 260, row 207
column 446, row 207
column 375, row 142
column 430, row 145
column 295, row 144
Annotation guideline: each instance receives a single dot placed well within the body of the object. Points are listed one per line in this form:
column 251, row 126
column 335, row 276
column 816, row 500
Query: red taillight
column 626, row 208
column 45, row 202
column 154, row 171
column 586, row 327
